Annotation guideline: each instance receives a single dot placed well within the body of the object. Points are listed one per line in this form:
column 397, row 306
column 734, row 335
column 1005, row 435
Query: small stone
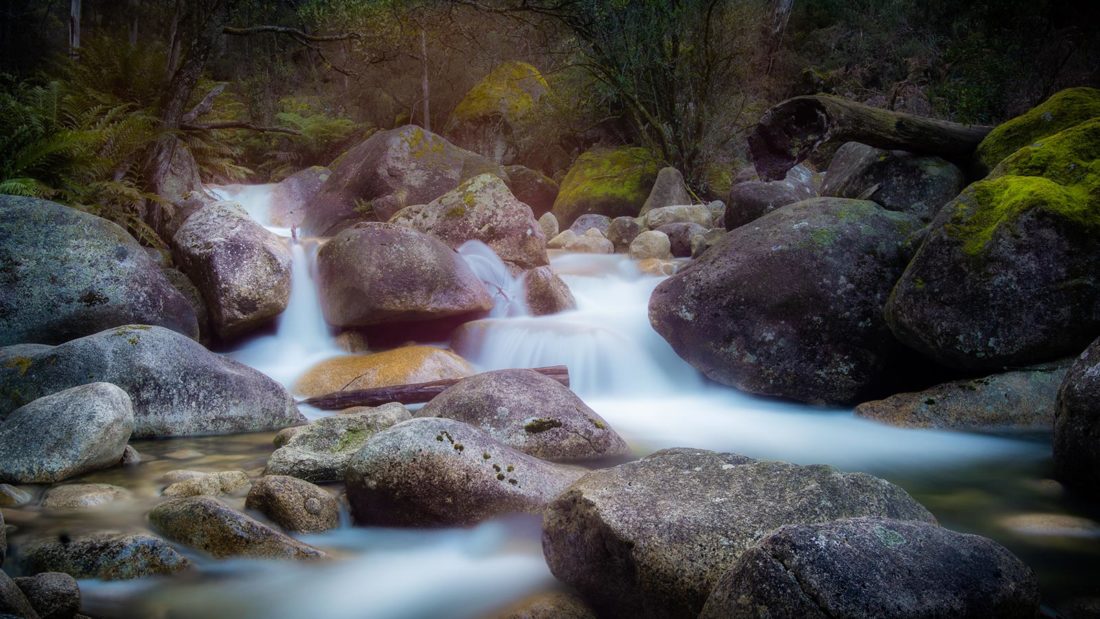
column 130, row 457
column 651, row 244
column 192, row 483
column 548, row 223
column 83, row 496
column 294, row 504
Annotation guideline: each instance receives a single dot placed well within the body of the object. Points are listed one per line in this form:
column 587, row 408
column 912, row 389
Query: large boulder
column 1062, row 110
column 897, row 180
column 481, row 209
column 669, row 189
column 1009, row 273
column 387, row 172
column 608, row 181
column 529, row 412
column 546, row 293
column 651, row 538
column 874, row 567
column 208, row 525
column 320, row 451
column 65, row 434
column 291, row 196
column 434, row 471
column 533, row 188
column 178, row 388
column 400, row 366
column 294, row 504
column 105, row 556
column 497, row 115
column 1077, row 424
column 241, row 268
column 1021, row 400
column 790, row 305
column 377, row 273
column 65, row 274
column 753, row 199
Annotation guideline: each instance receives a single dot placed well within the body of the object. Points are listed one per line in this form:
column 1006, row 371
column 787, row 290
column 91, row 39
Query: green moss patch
column 537, row 426
column 1063, row 110
column 510, row 91
column 608, row 181
column 1069, row 157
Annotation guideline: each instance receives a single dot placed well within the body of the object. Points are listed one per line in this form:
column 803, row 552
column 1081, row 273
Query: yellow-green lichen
column 609, row 181
column 1064, row 109
column 509, row 91
column 1068, row 157
column 20, row 363
column 352, row 438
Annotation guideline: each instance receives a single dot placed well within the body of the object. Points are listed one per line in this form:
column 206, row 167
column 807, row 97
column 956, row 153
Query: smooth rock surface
column 548, row 223
column 400, row 366
column 294, row 504
column 432, row 471
column 208, row 525
column 668, row 189
column 545, row 293
column 651, row 538
column 651, row 244
column 83, row 496
column 591, row 242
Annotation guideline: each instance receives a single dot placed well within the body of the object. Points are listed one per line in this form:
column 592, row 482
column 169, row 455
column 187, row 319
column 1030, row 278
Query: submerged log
column 787, row 133
column 415, row 393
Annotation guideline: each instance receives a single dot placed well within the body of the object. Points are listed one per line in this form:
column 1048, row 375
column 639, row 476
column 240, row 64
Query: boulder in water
column 874, row 567
column 651, row 538
column 13, row 603
column 241, row 268
column 377, row 273
column 67, row 274
column 434, row 471
column 53, row 595
column 105, row 556
column 400, row 366
column 294, row 504
column 546, row 293
column 291, row 196
column 83, row 496
column 549, row 225
column 177, row 387
column 65, row 434
column 194, row 483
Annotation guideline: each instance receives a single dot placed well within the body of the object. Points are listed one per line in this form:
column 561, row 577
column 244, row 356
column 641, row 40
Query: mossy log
column 787, row 133
column 415, row 393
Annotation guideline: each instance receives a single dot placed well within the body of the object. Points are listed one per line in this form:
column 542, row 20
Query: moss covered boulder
column 607, row 181
column 387, row 172
column 481, row 209
column 1063, row 110
column 400, row 366
column 1009, row 274
column 790, row 305
column 65, row 274
column 494, row 117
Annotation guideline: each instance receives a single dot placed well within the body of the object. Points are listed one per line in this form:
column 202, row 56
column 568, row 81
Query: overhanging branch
column 294, row 32
column 234, row 124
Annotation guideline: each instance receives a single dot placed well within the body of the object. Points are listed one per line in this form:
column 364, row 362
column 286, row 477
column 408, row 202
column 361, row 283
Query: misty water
column 997, row 486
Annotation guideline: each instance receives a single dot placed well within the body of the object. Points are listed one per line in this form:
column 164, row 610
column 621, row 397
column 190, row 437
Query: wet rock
column 65, row 434
column 683, row 237
column 753, row 199
column 291, row 196
column 387, row 172
column 1077, row 424
column 206, row 524
column 294, row 504
column 896, row 180
column 320, row 451
column 873, row 567
column 383, row 273
column 622, row 231
column 10, row 496
column 529, row 412
column 67, row 274
column 679, row 214
column 549, row 226
column 481, row 209
column 53, row 595
column 651, row 538
column 400, row 366
column 651, row 244
column 547, row 605
column 241, row 268
column 791, row 304
column 12, row 600
column 607, row 181
column 1009, row 272
column 106, row 556
column 533, row 188
column 546, row 293
column 586, row 222
column 178, row 388
column 668, row 189
column 591, row 242
column 194, row 483
column 130, row 457
column 83, row 496
column 433, row 471
column 1023, row 400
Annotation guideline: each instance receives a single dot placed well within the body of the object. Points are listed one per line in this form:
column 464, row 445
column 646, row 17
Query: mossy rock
column 1065, row 109
column 509, row 91
column 1069, row 157
column 607, row 181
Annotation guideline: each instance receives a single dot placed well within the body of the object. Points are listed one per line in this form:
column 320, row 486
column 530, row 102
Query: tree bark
column 74, row 28
column 787, row 133
column 415, row 393
column 424, row 85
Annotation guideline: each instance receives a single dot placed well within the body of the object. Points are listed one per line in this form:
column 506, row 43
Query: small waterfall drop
column 506, row 290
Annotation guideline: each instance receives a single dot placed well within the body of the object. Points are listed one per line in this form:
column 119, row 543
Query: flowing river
column 997, row 486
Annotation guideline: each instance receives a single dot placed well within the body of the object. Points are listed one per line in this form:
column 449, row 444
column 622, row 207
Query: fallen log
column 415, row 393
column 788, row 132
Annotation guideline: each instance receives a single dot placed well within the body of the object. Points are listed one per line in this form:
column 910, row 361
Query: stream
column 997, row 486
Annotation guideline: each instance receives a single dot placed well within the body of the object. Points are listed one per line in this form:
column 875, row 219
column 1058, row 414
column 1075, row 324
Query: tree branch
column 204, row 106
column 238, row 124
column 294, row 32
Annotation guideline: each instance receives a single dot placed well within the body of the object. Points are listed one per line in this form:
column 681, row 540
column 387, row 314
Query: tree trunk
column 407, row 394
column 207, row 21
column 787, row 133
column 174, row 40
column 424, row 86
column 135, row 11
column 74, row 28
